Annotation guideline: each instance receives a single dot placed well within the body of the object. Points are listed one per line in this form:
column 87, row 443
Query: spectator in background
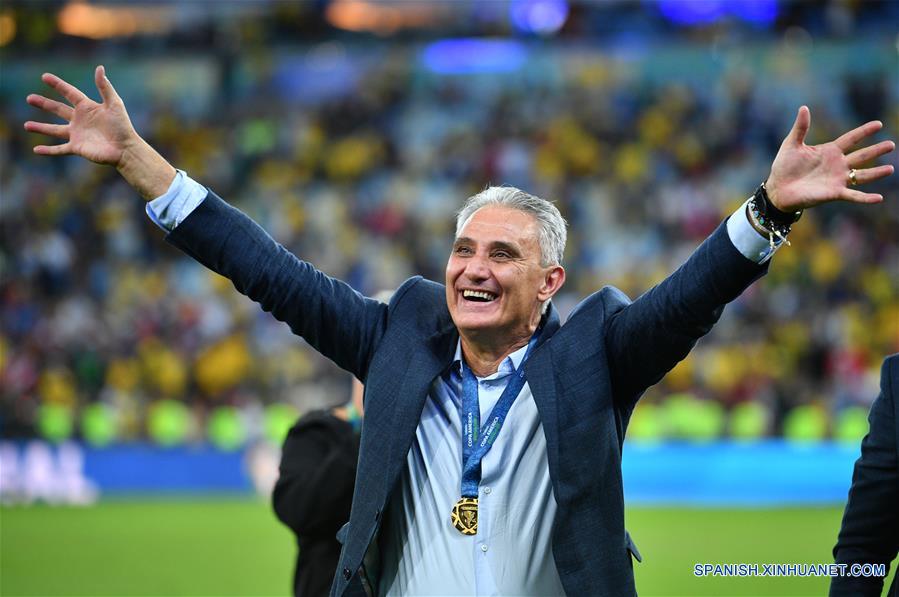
column 870, row 530
column 315, row 489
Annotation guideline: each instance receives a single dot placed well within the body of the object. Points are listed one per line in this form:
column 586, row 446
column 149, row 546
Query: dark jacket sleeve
column 332, row 317
column 870, row 530
column 648, row 337
column 318, row 468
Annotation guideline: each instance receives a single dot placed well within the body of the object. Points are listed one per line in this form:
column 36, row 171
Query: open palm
column 803, row 176
column 100, row 132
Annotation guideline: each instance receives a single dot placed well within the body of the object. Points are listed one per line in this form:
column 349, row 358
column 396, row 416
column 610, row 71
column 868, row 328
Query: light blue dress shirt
column 421, row 553
column 511, row 554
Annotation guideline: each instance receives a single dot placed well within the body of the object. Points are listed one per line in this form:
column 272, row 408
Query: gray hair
column 553, row 233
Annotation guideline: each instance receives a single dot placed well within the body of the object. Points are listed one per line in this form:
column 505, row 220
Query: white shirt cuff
column 747, row 240
column 171, row 208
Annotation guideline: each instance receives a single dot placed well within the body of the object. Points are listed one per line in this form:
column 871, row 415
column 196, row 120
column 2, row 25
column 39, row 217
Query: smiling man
column 502, row 272
column 491, row 453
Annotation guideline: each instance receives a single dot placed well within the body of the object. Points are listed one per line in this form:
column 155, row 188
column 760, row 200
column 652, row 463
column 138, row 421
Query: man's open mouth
column 478, row 296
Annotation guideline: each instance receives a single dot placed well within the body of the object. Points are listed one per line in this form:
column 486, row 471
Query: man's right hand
column 98, row 132
column 101, row 133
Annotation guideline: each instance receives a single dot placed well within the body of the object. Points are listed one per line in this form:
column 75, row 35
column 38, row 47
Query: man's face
column 494, row 281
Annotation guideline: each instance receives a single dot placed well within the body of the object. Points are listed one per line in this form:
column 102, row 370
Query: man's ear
column 553, row 280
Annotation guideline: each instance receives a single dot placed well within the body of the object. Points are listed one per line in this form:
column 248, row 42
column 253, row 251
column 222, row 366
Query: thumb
column 107, row 91
column 800, row 126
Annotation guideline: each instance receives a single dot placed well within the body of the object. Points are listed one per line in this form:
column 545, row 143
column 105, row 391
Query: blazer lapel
column 424, row 367
column 541, row 380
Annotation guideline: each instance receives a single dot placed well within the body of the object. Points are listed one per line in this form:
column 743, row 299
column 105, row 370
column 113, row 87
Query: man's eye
column 501, row 255
column 463, row 251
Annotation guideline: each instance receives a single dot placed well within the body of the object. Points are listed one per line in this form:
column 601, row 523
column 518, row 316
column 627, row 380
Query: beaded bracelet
column 769, row 220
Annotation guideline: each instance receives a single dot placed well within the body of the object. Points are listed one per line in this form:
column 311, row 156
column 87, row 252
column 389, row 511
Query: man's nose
column 477, row 269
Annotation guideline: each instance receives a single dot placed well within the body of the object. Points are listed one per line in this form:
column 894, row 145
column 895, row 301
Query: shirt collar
column 510, row 363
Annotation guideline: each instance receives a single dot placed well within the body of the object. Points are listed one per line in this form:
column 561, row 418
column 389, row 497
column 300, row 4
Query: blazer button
column 347, row 574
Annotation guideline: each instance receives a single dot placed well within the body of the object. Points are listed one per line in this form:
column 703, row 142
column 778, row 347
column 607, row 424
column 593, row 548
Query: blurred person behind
column 314, row 491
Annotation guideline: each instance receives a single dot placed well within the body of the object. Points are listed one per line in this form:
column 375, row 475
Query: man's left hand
column 803, row 176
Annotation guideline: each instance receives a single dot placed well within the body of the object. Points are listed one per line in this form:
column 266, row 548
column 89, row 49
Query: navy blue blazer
column 585, row 376
column 870, row 530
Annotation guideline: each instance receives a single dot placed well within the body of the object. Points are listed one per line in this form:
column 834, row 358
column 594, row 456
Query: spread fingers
column 49, row 105
column 865, row 154
column 70, row 92
column 60, row 131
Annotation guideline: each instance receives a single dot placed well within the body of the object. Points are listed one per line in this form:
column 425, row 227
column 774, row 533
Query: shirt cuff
column 747, row 240
column 171, row 208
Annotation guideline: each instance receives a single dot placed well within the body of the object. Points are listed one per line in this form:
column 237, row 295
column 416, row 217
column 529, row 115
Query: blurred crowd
column 360, row 172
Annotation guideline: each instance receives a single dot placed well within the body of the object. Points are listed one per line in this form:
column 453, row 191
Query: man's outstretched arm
column 647, row 338
column 336, row 320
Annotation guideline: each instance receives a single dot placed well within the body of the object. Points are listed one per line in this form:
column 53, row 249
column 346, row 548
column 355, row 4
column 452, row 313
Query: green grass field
column 236, row 547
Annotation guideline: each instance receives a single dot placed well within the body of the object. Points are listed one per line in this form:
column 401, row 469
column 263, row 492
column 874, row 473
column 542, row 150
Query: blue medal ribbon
column 476, row 444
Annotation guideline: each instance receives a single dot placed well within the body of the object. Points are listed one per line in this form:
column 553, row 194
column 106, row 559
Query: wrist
column 770, row 190
column 769, row 211
column 144, row 169
column 767, row 219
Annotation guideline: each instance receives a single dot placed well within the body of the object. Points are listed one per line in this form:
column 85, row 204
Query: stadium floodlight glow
column 702, row 12
column 761, row 12
column 543, row 17
column 692, row 12
column 82, row 19
column 384, row 17
column 7, row 27
column 470, row 55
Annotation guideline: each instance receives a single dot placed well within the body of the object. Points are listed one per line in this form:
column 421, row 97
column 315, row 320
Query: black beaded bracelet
column 768, row 217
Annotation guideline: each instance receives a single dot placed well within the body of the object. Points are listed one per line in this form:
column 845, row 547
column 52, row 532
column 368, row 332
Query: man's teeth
column 478, row 294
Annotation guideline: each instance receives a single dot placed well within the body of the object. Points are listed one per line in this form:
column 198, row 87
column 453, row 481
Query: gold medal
column 465, row 515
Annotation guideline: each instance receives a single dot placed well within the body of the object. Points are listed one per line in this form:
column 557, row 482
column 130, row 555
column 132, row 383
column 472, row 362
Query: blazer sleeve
column 332, row 317
column 646, row 338
column 870, row 530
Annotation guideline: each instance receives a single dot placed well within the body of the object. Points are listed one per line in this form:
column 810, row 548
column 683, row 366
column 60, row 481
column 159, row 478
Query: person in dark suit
column 314, row 491
column 530, row 502
column 870, row 530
